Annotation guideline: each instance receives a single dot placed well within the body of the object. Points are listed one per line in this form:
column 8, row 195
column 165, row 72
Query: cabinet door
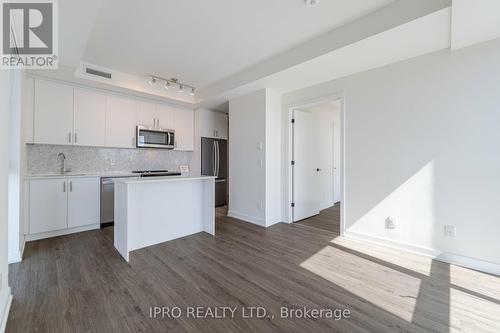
column 47, row 205
column 220, row 122
column 205, row 123
column 53, row 119
column 90, row 118
column 165, row 116
column 120, row 122
column 184, row 129
column 83, row 201
column 146, row 114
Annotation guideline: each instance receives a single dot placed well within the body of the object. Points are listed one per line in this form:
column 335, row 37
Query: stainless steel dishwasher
column 108, row 200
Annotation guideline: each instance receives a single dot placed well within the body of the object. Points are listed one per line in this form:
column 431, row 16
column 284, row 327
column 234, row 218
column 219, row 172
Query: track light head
column 167, row 85
column 191, row 92
column 152, row 81
column 181, row 88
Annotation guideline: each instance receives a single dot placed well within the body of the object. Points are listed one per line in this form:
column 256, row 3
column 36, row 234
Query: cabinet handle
column 69, row 137
column 64, row 186
column 76, row 137
column 71, row 186
column 158, row 121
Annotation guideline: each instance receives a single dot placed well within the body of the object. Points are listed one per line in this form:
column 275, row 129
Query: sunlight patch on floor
column 375, row 283
column 418, row 263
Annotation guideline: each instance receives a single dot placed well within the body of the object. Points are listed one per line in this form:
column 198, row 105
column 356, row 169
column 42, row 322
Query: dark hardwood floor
column 328, row 219
column 79, row 283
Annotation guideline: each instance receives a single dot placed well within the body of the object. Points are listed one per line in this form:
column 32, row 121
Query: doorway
column 316, row 137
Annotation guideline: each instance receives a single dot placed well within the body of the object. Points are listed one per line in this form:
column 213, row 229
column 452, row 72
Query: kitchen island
column 149, row 211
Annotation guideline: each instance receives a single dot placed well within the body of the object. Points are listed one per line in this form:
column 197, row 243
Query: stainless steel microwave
column 148, row 137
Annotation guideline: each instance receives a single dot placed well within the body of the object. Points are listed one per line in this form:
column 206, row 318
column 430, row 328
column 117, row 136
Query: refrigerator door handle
column 214, row 159
column 218, row 158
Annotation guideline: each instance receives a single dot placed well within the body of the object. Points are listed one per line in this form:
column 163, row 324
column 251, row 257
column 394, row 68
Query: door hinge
column 293, row 121
column 293, row 204
column 293, row 162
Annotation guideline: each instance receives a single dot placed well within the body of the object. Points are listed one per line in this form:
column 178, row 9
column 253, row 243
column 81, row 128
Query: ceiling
column 202, row 42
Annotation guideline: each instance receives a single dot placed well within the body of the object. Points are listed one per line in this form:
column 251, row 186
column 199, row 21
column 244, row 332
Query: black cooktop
column 157, row 173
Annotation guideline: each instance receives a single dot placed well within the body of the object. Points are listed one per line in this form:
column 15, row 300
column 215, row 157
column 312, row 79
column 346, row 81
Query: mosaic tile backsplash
column 42, row 159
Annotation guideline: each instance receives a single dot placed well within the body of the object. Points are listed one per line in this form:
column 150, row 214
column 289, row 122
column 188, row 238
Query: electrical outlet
column 450, row 231
column 390, row 223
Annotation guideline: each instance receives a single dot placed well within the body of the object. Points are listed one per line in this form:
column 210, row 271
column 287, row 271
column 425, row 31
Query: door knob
column 318, row 169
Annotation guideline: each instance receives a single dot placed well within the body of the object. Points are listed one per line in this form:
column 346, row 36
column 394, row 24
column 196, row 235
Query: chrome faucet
column 63, row 169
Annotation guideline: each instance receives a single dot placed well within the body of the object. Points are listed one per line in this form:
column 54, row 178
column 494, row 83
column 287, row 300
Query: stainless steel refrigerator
column 214, row 163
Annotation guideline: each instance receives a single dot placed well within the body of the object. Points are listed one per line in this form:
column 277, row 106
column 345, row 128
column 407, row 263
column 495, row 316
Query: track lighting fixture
column 152, row 81
column 169, row 83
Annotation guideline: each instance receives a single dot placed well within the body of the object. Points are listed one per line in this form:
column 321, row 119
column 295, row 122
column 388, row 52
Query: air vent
column 97, row 73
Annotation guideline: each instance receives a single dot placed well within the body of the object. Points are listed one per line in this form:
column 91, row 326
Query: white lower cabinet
column 47, row 205
column 59, row 204
column 83, row 201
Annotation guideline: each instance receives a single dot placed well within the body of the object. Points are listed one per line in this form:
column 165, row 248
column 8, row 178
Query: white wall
column 247, row 173
column 14, row 195
column 273, row 157
column 255, row 158
column 421, row 145
column 4, row 169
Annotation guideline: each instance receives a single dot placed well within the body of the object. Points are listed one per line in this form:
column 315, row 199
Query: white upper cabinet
column 90, row 118
column 210, row 124
column 53, row 118
column 184, row 129
column 221, row 125
column 83, row 201
column 67, row 115
column 120, row 122
column 165, row 116
column 146, row 114
column 155, row 115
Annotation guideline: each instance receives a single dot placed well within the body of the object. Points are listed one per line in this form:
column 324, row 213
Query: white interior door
column 306, row 194
column 336, row 162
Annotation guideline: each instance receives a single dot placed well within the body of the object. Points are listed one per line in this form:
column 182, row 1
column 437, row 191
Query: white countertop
column 140, row 180
column 106, row 174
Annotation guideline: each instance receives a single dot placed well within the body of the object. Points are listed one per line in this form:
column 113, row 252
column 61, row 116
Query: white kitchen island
column 153, row 210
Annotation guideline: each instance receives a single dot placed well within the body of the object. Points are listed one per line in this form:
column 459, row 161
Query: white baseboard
column 326, row 205
column 450, row 258
column 247, row 218
column 5, row 309
column 61, row 232
column 17, row 257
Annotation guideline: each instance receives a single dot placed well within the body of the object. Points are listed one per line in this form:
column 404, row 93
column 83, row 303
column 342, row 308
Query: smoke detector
column 312, row 3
